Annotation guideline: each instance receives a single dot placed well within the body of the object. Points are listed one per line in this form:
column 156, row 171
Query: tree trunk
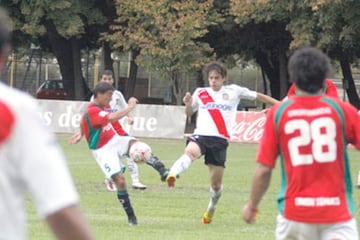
column 130, row 88
column 79, row 84
column 67, row 53
column 108, row 62
column 349, row 84
column 283, row 73
column 271, row 69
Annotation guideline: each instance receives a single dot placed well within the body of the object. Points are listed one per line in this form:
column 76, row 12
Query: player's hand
column 132, row 102
column 75, row 138
column 187, row 98
column 249, row 214
column 130, row 120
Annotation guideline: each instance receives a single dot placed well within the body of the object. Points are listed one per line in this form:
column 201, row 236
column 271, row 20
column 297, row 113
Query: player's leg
column 192, row 152
column 216, row 188
column 159, row 166
column 107, row 158
column 110, row 185
column 134, row 173
column 215, row 158
column 342, row 231
column 123, row 197
column 287, row 229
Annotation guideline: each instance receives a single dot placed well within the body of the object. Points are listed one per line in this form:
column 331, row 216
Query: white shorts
column 287, row 229
column 109, row 156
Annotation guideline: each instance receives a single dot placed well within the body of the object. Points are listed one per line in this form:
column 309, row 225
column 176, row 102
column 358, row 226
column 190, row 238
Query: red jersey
column 94, row 124
column 329, row 89
column 310, row 134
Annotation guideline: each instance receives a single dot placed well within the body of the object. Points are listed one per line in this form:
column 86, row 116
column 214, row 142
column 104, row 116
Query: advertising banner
column 157, row 121
column 248, row 127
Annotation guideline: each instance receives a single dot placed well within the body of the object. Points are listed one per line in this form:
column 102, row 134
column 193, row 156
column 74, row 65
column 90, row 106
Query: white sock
column 133, row 170
column 214, row 198
column 181, row 165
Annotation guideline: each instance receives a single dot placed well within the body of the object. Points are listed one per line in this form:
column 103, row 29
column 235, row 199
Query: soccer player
column 117, row 103
column 328, row 89
column 31, row 161
column 106, row 146
column 309, row 132
column 216, row 106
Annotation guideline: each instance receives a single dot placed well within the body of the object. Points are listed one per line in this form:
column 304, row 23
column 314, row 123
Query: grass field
column 173, row 214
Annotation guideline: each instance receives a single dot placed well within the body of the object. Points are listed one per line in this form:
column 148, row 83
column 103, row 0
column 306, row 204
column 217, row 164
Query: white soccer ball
column 140, row 152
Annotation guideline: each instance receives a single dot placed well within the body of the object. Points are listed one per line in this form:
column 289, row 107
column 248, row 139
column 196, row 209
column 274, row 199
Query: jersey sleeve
column 98, row 117
column 118, row 101
column 269, row 143
column 244, row 93
column 291, row 90
column 331, row 89
column 195, row 100
column 40, row 162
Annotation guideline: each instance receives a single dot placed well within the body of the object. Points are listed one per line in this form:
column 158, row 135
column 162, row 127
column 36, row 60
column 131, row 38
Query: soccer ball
column 140, row 152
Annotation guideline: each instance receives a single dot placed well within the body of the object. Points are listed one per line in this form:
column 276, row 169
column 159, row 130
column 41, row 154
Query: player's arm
column 120, row 103
column 69, row 223
column 188, row 104
column 115, row 116
column 260, row 184
column 266, row 99
column 76, row 137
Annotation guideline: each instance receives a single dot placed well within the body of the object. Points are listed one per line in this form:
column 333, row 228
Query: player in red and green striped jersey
column 309, row 132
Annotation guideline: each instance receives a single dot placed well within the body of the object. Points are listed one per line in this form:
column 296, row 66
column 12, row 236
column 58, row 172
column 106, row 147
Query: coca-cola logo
column 249, row 127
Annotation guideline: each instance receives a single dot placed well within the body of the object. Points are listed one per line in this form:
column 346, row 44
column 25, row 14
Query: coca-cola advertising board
column 248, row 127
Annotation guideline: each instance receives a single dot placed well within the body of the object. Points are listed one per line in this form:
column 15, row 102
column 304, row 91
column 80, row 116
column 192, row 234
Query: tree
column 333, row 26
column 64, row 28
column 164, row 33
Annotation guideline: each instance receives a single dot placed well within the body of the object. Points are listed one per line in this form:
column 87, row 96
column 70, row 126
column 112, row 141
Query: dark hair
column 216, row 66
column 308, row 68
column 5, row 29
column 107, row 72
column 102, row 87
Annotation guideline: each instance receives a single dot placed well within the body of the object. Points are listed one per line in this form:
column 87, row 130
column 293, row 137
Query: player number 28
column 310, row 133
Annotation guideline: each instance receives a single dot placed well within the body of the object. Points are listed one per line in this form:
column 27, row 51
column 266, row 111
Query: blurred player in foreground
column 309, row 132
column 32, row 161
column 107, row 147
column 118, row 103
column 216, row 106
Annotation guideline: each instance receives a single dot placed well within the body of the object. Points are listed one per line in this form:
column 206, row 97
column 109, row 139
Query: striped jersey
column 117, row 103
column 95, row 126
column 217, row 109
column 310, row 134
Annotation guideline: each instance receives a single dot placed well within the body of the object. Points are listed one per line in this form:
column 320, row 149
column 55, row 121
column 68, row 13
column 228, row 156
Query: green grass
column 173, row 214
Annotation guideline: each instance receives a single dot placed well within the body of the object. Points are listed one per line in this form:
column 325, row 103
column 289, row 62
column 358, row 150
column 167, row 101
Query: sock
column 124, row 200
column 214, row 198
column 133, row 170
column 155, row 162
column 181, row 165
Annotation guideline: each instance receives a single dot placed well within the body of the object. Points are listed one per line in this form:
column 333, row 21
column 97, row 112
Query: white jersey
column 30, row 161
column 217, row 109
column 117, row 101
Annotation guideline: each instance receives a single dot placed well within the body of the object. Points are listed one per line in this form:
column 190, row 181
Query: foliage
column 165, row 31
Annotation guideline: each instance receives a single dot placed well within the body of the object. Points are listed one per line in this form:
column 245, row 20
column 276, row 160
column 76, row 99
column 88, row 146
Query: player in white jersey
column 216, row 106
column 31, row 161
column 118, row 103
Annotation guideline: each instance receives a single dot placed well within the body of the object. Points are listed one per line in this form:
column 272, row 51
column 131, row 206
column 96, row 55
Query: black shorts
column 213, row 148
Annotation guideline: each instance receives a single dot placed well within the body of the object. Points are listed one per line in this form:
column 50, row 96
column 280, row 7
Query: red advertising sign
column 248, row 127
